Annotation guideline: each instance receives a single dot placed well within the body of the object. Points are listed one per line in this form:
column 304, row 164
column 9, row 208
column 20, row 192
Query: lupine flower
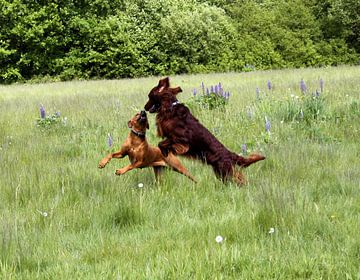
column 257, row 93
column 317, row 94
column 244, row 149
column 219, row 239
column 42, row 112
column 207, row 91
column 267, row 125
column 212, row 89
column 109, row 140
column 216, row 89
column 269, row 85
column 194, row 91
column 57, row 114
column 203, row 87
column 321, row 85
column 302, row 86
column 250, row 113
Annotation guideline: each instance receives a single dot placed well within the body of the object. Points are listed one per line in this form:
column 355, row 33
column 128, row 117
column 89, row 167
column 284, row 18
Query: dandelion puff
column 219, row 239
column 271, row 230
column 140, row 185
column 45, row 214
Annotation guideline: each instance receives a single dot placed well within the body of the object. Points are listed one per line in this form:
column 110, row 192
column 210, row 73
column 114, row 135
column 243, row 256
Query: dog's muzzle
column 143, row 116
column 154, row 108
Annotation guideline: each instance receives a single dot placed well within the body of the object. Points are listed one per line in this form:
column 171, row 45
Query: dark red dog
column 185, row 135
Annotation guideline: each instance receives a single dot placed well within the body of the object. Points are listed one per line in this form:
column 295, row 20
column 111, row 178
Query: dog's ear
column 129, row 124
column 176, row 90
column 163, row 84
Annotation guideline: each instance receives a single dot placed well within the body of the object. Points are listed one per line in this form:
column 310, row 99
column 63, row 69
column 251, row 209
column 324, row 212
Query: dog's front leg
column 119, row 154
column 127, row 168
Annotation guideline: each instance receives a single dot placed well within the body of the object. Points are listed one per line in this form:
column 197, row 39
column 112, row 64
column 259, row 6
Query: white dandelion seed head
column 219, row 239
column 45, row 214
column 271, row 230
column 140, row 185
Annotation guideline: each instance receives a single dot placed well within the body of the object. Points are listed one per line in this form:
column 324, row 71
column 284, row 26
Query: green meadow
column 298, row 217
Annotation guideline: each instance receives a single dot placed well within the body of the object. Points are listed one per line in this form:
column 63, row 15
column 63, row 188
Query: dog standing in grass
column 185, row 135
column 141, row 154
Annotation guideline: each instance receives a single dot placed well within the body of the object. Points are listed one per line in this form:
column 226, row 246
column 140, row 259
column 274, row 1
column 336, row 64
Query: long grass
column 297, row 218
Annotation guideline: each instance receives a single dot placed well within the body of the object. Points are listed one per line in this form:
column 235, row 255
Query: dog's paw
column 102, row 163
column 119, row 172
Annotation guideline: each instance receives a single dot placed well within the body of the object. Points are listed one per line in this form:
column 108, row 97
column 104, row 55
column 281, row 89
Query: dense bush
column 123, row 38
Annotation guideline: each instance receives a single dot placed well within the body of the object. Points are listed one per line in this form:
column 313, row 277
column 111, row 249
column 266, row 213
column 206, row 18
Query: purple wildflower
column 57, row 114
column 212, row 89
column 207, row 91
column 303, row 86
column 216, row 89
column 250, row 113
column 269, row 85
column 42, row 112
column 194, row 91
column 203, row 87
column 243, row 149
column 267, row 125
column 109, row 140
column 321, row 85
column 257, row 93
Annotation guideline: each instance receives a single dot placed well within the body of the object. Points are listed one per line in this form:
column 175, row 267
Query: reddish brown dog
column 141, row 154
column 185, row 135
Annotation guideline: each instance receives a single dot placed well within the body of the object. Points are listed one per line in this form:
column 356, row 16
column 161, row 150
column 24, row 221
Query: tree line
column 84, row 39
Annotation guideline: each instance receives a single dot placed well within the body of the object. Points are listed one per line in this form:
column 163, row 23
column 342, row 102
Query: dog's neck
column 175, row 103
column 138, row 133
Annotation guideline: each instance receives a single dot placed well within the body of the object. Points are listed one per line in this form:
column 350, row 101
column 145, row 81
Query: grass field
column 297, row 218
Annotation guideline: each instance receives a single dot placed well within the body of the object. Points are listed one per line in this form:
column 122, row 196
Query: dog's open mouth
column 143, row 116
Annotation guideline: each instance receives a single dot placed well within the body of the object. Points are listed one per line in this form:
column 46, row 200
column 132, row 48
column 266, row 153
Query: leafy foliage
column 122, row 38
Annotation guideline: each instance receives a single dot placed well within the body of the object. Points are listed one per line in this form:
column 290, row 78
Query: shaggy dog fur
column 185, row 135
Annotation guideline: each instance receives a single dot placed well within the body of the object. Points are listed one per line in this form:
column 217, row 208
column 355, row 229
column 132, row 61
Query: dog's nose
column 143, row 114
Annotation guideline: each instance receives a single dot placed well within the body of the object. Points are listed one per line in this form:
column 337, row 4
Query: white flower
column 219, row 239
column 140, row 185
column 45, row 214
column 272, row 230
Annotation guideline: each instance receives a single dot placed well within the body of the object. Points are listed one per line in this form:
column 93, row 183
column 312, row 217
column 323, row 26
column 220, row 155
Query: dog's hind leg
column 176, row 165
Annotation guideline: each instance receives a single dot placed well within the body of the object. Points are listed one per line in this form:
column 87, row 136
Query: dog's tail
column 246, row 161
